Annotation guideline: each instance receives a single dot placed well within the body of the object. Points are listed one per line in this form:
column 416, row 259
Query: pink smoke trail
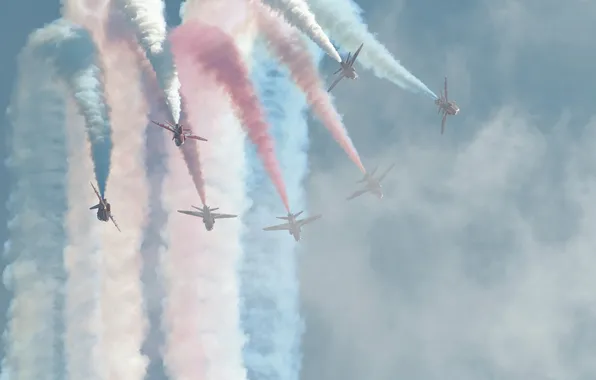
column 216, row 53
column 288, row 45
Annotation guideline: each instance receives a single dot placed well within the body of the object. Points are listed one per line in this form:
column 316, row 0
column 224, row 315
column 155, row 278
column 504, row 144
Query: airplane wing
column 335, row 82
column 114, row 221
column 443, row 123
column 357, row 194
column 310, row 219
column 196, row 137
column 279, row 227
column 446, row 94
column 223, row 216
column 98, row 196
column 386, row 172
column 355, row 55
column 163, row 126
column 193, row 213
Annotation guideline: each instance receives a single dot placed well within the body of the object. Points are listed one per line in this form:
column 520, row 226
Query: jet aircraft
column 373, row 185
column 293, row 225
column 446, row 106
column 208, row 216
column 104, row 210
column 180, row 133
column 347, row 69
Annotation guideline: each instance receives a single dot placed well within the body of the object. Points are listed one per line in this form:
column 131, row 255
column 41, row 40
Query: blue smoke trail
column 270, row 289
column 38, row 166
column 75, row 56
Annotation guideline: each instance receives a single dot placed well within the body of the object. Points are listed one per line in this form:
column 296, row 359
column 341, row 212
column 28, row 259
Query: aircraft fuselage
column 103, row 214
column 295, row 232
column 349, row 71
column 209, row 223
column 450, row 108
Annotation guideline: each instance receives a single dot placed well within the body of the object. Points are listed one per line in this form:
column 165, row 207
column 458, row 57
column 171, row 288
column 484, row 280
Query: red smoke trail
column 192, row 158
column 217, row 54
column 293, row 52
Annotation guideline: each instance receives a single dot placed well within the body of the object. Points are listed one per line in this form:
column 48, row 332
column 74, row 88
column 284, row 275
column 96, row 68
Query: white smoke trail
column 124, row 331
column 341, row 19
column 123, row 319
column 297, row 13
column 36, row 207
column 147, row 16
column 201, row 312
column 270, row 312
column 81, row 260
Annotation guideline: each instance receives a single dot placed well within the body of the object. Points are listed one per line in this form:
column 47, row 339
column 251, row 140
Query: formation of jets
column 293, row 225
column 180, row 133
column 346, row 70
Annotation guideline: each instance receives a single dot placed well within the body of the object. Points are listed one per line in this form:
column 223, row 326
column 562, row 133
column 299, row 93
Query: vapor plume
column 341, row 19
column 297, row 13
column 215, row 52
column 75, row 58
column 287, row 44
column 147, row 17
column 270, row 312
column 36, row 211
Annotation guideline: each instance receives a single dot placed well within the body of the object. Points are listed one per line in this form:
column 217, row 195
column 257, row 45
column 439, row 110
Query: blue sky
column 479, row 263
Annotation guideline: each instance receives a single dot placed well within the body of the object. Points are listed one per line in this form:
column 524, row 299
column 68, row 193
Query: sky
column 479, row 262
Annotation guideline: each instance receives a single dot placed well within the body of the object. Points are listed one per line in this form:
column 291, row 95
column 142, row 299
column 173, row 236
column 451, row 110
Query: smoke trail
column 292, row 51
column 148, row 19
column 270, row 313
column 155, row 240
column 75, row 56
column 124, row 331
column 81, row 260
column 217, row 54
column 341, row 19
column 297, row 13
column 193, row 161
column 36, row 207
column 201, row 311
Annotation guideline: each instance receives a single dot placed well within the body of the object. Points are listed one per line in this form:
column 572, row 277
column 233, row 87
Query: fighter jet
column 208, row 216
column 446, row 106
column 373, row 185
column 347, row 69
column 293, row 225
column 104, row 211
column 180, row 133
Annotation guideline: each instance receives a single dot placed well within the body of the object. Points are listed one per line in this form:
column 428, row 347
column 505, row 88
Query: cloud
column 476, row 264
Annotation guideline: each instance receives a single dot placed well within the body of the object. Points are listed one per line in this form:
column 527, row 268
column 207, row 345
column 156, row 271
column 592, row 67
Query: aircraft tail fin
column 283, row 217
column 214, row 208
column 94, row 207
column 298, row 213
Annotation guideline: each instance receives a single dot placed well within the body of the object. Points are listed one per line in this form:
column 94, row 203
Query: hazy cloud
column 479, row 262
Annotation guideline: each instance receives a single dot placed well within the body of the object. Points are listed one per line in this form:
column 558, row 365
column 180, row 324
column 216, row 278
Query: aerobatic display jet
column 207, row 215
column 373, row 185
column 180, row 133
column 346, row 69
column 104, row 211
column 293, row 226
column 446, row 106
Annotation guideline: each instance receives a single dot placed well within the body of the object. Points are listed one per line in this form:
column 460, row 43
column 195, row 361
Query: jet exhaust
column 298, row 14
column 268, row 271
column 147, row 17
column 215, row 52
column 341, row 19
column 286, row 43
